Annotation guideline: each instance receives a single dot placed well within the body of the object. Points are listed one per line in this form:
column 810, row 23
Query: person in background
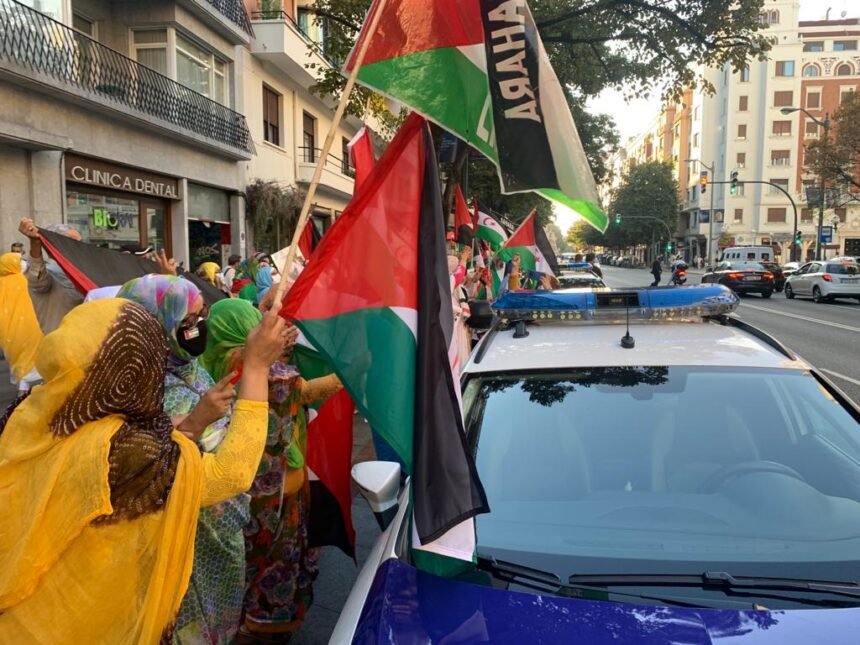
column 100, row 494
column 210, row 272
column 595, row 268
column 52, row 292
column 657, row 270
column 19, row 329
column 263, row 281
column 281, row 567
column 18, row 247
column 577, row 258
column 229, row 273
column 202, row 410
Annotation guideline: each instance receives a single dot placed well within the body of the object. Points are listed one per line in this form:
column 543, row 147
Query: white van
column 748, row 254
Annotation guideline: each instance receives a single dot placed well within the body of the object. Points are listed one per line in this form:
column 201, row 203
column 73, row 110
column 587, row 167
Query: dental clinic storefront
column 118, row 206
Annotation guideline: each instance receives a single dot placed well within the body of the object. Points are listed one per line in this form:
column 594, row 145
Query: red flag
column 475, row 217
column 462, row 219
column 363, row 157
column 306, row 241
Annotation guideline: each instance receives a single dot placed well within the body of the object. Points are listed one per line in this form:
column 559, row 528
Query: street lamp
column 711, row 215
column 826, row 125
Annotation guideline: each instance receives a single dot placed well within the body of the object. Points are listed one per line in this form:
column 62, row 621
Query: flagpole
column 329, row 141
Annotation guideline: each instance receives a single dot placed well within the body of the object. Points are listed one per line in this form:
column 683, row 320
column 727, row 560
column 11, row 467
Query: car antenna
column 627, row 341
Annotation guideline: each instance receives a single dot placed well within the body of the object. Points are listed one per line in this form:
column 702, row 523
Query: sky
column 633, row 117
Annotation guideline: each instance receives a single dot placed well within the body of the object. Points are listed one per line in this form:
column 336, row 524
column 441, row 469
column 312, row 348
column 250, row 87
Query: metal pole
column 711, row 220
column 819, row 255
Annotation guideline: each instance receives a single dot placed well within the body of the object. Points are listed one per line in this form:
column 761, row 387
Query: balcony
column 281, row 42
column 38, row 51
column 337, row 177
column 228, row 17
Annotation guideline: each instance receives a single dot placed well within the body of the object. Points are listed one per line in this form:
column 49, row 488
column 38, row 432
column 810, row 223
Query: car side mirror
column 379, row 484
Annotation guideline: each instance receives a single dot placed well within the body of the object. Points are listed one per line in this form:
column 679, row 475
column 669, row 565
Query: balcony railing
column 45, row 47
column 333, row 163
column 234, row 11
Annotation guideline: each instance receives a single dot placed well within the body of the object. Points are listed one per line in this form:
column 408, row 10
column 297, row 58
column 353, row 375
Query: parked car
column 778, row 274
column 581, row 279
column 742, row 278
column 824, row 281
column 790, row 268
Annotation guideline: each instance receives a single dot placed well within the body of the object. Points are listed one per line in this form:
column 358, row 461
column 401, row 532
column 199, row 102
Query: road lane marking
column 839, row 376
column 744, row 305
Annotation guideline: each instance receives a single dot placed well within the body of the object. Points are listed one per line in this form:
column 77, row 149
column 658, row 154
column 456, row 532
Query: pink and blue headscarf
column 168, row 298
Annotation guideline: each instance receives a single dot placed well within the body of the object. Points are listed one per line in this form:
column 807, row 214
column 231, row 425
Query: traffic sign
column 826, row 234
column 704, row 216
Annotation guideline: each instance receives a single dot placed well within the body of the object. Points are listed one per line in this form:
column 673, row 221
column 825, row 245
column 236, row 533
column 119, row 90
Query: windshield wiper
column 549, row 582
column 719, row 580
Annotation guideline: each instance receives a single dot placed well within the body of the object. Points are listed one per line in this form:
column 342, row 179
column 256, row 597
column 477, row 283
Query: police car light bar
column 611, row 305
column 577, row 265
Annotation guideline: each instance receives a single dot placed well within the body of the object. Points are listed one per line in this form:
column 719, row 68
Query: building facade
column 741, row 127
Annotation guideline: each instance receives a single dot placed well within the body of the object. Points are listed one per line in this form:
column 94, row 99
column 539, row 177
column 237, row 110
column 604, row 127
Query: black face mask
column 193, row 339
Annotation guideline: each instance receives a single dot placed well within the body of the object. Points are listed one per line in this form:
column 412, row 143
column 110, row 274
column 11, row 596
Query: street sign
column 704, row 216
column 718, row 216
column 826, row 234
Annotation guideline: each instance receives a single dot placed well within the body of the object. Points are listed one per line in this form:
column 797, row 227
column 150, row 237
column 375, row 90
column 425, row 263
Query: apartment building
column 123, row 119
column 741, row 127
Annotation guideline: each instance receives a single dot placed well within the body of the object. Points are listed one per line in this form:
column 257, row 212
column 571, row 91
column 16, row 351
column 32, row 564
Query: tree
column 647, row 191
column 836, row 159
column 582, row 235
column 273, row 212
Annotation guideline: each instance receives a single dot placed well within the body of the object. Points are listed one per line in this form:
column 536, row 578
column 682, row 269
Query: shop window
column 780, row 157
column 783, row 98
column 785, row 68
column 844, row 45
column 741, row 160
column 271, row 116
column 209, row 204
column 309, row 129
column 816, row 46
column 743, row 103
column 112, row 221
column 781, row 128
column 776, row 215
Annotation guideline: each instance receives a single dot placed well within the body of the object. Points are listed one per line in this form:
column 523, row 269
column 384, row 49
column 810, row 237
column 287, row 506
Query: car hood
column 409, row 606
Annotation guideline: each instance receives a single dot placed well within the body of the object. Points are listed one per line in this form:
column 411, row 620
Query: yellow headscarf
column 64, row 576
column 209, row 270
column 20, row 334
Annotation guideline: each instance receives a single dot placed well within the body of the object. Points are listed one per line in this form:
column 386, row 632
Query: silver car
column 824, row 281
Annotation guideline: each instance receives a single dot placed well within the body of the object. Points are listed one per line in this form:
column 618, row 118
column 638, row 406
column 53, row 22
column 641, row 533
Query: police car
column 657, row 471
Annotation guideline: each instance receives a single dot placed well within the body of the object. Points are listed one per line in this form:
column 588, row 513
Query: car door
column 805, row 280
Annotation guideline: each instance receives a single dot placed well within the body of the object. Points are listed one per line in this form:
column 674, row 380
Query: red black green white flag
column 478, row 68
column 377, row 305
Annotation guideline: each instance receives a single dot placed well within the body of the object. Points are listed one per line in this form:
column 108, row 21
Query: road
column 825, row 335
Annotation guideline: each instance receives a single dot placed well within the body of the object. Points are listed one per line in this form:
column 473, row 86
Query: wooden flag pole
column 329, row 141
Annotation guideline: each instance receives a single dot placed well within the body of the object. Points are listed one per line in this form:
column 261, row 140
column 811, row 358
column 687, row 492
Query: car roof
column 551, row 345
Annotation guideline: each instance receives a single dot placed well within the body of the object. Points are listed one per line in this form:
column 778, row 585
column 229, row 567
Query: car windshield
column 842, row 269
column 747, row 266
column 668, row 469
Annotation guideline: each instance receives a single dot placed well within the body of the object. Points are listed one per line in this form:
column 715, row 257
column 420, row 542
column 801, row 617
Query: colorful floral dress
column 212, row 608
column 281, row 567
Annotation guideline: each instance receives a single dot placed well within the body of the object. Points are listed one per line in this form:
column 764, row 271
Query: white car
column 688, row 479
column 823, row 281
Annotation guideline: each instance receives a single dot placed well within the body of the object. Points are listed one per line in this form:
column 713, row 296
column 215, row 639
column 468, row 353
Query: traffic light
column 703, row 181
column 734, row 187
column 618, row 219
column 797, row 237
column 669, row 247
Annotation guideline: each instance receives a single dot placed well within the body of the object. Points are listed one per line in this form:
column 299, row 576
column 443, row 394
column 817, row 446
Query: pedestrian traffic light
column 734, row 187
column 618, row 219
column 797, row 237
column 703, row 181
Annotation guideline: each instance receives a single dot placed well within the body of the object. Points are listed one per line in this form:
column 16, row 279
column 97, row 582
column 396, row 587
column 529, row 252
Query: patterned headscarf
column 228, row 326
column 169, row 299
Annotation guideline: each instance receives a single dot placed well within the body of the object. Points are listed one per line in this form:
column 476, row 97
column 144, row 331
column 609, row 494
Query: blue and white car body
column 695, row 483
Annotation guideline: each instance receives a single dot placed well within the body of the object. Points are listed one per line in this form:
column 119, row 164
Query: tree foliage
column 648, row 191
column 836, row 159
column 272, row 211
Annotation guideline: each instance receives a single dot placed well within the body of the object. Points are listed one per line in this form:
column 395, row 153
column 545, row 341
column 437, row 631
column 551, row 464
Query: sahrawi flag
column 479, row 69
column 376, row 304
column 530, row 243
column 490, row 231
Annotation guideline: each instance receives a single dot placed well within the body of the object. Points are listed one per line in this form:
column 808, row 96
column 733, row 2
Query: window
column 840, row 213
column 811, row 71
column 677, row 131
column 783, row 99
column 813, row 100
column 741, row 161
column 844, row 96
column 805, row 215
column 740, row 190
column 776, row 215
column 309, row 128
column 785, row 68
column 782, row 183
column 845, row 69
column 844, row 45
column 782, row 128
column 271, row 116
column 743, row 103
column 745, row 74
column 150, row 49
column 84, row 25
column 811, row 130
column 739, row 215
column 696, row 140
column 773, row 17
column 816, row 46
column 345, row 161
column 51, row 8
column 742, row 131
column 696, row 114
column 780, row 158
